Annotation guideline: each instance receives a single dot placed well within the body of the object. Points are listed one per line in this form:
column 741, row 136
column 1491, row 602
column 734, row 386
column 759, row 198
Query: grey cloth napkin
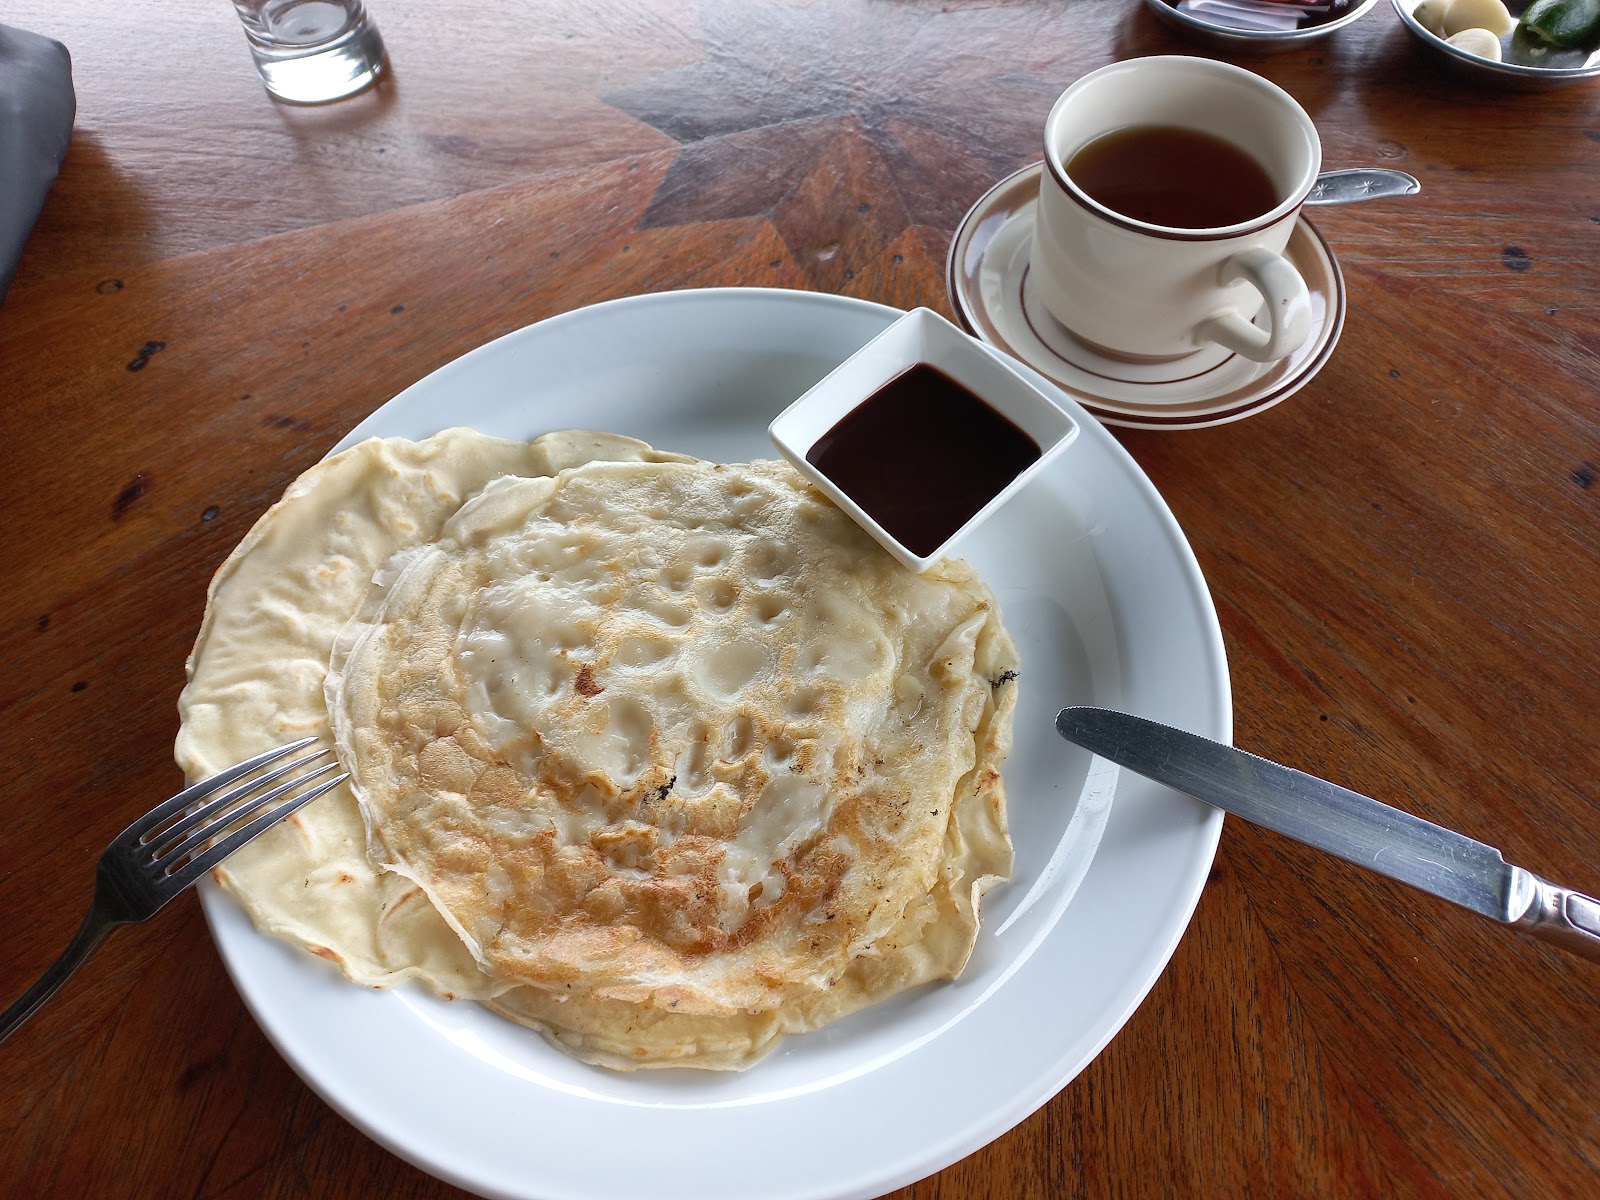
column 37, row 105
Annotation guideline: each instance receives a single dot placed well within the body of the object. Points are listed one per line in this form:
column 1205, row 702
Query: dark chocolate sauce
column 922, row 455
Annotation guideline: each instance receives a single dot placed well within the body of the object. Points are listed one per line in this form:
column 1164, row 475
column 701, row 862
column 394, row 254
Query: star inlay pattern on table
column 836, row 121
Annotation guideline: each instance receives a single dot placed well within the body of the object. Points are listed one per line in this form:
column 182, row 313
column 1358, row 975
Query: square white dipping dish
column 920, row 435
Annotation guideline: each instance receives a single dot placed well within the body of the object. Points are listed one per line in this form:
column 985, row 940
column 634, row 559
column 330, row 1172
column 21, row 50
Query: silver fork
column 171, row 846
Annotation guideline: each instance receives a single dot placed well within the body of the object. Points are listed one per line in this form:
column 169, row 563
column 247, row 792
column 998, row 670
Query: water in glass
column 310, row 51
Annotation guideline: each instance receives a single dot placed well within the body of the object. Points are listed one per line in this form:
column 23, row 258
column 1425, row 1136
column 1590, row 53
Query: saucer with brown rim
column 987, row 274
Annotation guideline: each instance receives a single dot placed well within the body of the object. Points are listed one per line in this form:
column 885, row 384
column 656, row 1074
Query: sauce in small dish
column 923, row 455
column 921, row 434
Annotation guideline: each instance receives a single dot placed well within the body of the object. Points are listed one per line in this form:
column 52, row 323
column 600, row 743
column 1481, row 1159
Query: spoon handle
column 1361, row 183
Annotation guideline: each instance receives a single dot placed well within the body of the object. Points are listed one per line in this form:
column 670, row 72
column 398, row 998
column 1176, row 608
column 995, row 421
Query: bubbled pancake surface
column 256, row 674
column 663, row 759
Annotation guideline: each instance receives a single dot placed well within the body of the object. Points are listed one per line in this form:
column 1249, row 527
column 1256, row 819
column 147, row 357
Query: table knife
column 1357, row 828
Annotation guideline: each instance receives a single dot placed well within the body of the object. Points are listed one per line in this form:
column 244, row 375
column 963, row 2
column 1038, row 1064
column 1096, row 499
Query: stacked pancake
column 664, row 758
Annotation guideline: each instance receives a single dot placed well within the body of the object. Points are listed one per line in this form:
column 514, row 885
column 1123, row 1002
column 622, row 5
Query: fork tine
column 198, row 791
column 132, row 885
column 207, row 830
column 203, row 862
column 171, row 833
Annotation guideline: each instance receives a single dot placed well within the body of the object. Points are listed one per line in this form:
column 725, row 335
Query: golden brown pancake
column 664, row 758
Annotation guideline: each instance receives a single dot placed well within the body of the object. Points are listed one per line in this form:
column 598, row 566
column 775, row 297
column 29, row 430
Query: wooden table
column 1403, row 556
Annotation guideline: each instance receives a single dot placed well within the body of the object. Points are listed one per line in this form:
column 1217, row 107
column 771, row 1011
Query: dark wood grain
column 1404, row 556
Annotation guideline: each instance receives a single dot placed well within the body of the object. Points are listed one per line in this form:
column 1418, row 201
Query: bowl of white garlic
column 1531, row 45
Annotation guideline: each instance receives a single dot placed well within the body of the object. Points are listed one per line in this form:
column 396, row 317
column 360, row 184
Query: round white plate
column 1108, row 607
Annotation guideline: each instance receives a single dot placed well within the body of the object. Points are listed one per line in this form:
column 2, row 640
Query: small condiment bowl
column 922, row 338
column 1253, row 41
column 1514, row 75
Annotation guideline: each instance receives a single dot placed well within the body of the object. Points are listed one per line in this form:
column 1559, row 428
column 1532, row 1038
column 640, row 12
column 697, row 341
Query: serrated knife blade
column 1354, row 827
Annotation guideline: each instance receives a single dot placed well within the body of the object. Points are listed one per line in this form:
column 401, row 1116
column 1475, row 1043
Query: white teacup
column 1144, row 291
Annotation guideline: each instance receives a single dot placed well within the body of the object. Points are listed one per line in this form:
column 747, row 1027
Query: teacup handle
column 1288, row 308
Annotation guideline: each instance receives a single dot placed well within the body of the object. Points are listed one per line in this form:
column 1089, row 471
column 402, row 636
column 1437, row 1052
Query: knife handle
column 1569, row 919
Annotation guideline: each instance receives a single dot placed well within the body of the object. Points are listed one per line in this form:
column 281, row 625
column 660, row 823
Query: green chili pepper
column 1563, row 22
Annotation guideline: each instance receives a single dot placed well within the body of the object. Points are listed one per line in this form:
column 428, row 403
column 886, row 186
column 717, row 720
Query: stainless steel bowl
column 1497, row 74
column 1245, row 41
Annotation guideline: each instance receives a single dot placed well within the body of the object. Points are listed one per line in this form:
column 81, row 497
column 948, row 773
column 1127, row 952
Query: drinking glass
column 312, row 51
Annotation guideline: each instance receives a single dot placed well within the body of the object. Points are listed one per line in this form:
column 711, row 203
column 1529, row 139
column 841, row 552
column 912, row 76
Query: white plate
column 1108, row 607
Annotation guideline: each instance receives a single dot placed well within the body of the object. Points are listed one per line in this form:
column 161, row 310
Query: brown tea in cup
column 1189, row 275
column 1174, row 177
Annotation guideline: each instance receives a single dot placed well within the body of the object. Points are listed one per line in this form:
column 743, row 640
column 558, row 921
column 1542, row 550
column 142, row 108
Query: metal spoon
column 1361, row 183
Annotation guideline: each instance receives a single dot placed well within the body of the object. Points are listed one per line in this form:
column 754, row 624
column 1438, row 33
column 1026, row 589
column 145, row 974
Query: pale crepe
column 257, row 675
column 255, row 680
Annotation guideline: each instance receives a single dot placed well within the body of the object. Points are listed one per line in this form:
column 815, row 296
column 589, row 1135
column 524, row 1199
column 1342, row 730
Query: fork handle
column 90, row 934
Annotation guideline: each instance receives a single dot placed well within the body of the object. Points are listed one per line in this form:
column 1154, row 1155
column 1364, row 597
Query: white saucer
column 987, row 275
